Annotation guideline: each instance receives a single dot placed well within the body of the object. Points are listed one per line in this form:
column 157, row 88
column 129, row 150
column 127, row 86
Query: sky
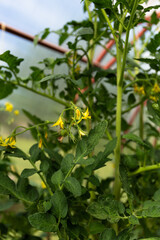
column 33, row 16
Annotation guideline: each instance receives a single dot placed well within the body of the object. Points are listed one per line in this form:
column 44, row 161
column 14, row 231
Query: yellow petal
column 59, row 123
column 86, row 115
column 78, row 114
column 40, row 143
column 16, row 112
column 9, row 107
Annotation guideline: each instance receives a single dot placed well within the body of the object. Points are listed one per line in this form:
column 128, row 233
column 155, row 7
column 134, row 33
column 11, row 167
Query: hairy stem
column 145, row 169
column 121, row 62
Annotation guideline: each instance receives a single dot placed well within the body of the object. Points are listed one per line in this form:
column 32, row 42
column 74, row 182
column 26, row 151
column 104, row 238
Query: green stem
column 126, row 41
column 121, row 62
column 117, row 183
column 108, row 135
column 145, row 169
column 29, row 128
column 87, row 3
column 42, row 177
column 118, row 146
column 134, row 105
column 43, row 94
column 109, row 24
column 141, row 127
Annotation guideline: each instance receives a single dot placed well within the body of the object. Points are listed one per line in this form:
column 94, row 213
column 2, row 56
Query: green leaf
column 25, row 191
column 156, row 196
column 47, row 205
column 153, row 211
column 124, row 2
column 94, row 180
column 45, row 33
column 149, row 204
column 6, row 89
column 153, row 62
column 60, row 206
column 154, row 43
column 28, row 172
column 18, row 153
column 135, row 138
column 84, row 31
column 102, row 3
column 4, row 191
column 33, row 118
column 44, row 166
column 124, row 235
column 130, row 162
column 43, row 221
column 57, row 177
column 133, row 220
column 35, row 153
column 151, row 238
column 67, row 163
column 87, row 144
column 95, row 135
column 96, row 227
column 107, row 209
column 86, row 162
column 73, row 186
column 12, row 61
column 97, row 210
column 101, row 158
column 126, row 182
column 7, row 184
column 108, row 234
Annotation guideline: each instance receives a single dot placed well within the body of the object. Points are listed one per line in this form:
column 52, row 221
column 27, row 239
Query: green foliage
column 43, row 221
column 72, row 200
column 6, row 89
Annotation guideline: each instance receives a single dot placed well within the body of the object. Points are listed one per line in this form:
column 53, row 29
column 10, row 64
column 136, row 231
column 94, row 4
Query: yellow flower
column 16, row 112
column 43, row 185
column 82, row 133
column 155, row 99
column 40, row 143
column 1, row 140
column 136, row 88
column 141, row 90
column 46, row 135
column 8, row 142
column 86, row 115
column 78, row 114
column 9, row 107
column 59, row 122
column 156, row 88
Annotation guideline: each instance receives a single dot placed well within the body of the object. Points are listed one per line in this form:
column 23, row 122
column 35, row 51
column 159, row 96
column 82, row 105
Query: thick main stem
column 141, row 121
column 121, row 62
column 118, row 146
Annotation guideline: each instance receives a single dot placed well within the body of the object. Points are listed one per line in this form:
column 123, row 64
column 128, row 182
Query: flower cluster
column 139, row 90
column 153, row 92
column 8, row 142
column 77, row 117
column 9, row 108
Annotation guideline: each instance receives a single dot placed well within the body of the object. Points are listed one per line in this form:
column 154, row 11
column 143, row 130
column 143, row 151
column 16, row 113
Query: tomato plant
column 73, row 201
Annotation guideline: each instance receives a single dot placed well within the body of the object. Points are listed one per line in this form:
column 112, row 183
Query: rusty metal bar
column 43, row 43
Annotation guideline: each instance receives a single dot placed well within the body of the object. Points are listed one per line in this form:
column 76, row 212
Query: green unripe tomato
column 155, row 106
